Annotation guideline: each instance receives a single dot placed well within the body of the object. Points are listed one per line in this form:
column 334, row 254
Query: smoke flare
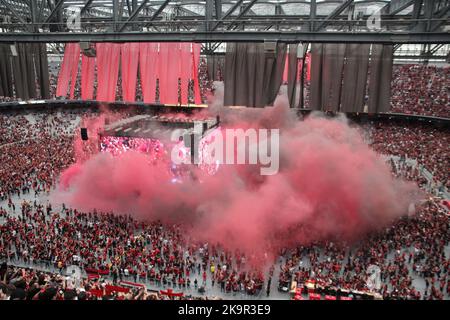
column 331, row 184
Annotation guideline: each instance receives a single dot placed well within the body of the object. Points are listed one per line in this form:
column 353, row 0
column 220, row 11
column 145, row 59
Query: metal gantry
column 216, row 21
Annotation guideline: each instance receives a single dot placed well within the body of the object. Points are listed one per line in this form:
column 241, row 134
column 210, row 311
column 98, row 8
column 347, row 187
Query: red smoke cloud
column 330, row 185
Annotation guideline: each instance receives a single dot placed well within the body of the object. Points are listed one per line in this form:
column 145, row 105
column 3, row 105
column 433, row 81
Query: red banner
column 149, row 71
column 196, row 47
column 129, row 67
column 87, row 77
column 186, row 70
column 68, row 70
column 107, row 70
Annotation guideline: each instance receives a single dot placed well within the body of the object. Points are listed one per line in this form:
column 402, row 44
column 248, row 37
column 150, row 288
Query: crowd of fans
column 426, row 144
column 413, row 248
column 34, row 151
column 125, row 248
column 408, row 171
column 22, row 283
column 113, row 249
column 421, row 90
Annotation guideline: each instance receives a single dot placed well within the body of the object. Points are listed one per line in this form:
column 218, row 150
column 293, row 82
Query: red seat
column 330, row 297
column 314, row 296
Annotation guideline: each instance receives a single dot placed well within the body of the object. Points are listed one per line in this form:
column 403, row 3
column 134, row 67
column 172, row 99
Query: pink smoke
column 330, row 185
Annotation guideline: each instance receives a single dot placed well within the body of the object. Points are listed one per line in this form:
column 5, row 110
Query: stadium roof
column 400, row 21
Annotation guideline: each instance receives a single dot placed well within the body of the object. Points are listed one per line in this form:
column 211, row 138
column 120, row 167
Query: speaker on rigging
column 88, row 49
column 270, row 48
column 13, row 50
column 84, row 134
column 300, row 51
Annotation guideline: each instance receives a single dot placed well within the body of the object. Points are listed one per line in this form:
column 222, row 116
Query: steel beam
column 157, row 12
column 129, row 8
column 190, row 22
column 312, row 14
column 232, row 36
column 428, row 11
column 208, row 14
column 218, row 9
column 216, row 46
column 85, row 7
column 444, row 15
column 41, row 10
column 398, row 6
column 335, row 13
column 415, row 15
column 436, row 48
column 15, row 13
column 134, row 14
column 33, row 13
column 227, row 14
column 188, row 13
column 54, row 11
column 421, row 57
column 242, row 13
column 252, row 23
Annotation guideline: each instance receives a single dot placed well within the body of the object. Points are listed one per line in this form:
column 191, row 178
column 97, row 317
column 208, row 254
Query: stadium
column 136, row 138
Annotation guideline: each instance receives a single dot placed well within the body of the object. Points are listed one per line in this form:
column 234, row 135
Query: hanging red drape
column 186, row 70
column 108, row 55
column 148, row 69
column 308, row 66
column 69, row 65
column 74, row 69
column 64, row 72
column 99, row 61
column 87, row 77
column 163, row 66
column 169, row 58
column 173, row 73
column 196, row 60
column 285, row 71
column 129, row 67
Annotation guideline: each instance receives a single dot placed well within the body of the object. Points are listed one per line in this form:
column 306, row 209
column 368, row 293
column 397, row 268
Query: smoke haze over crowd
column 330, row 185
